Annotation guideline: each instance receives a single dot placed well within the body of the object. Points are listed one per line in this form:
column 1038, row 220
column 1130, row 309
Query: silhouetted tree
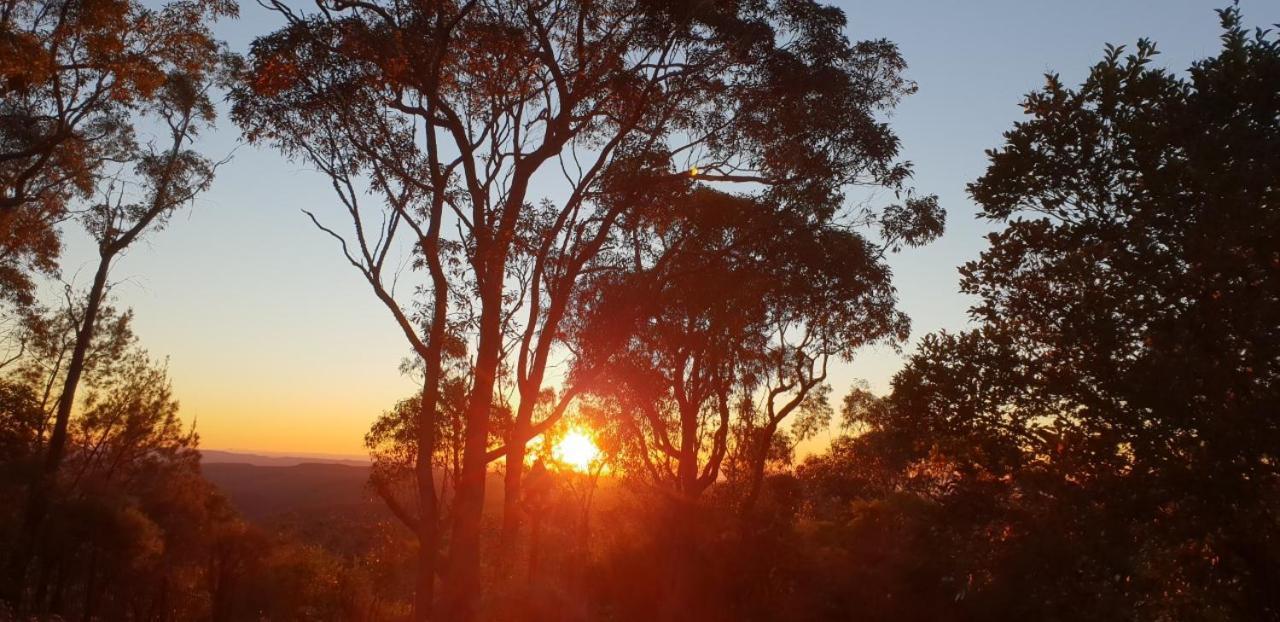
column 121, row 527
column 71, row 76
column 135, row 531
column 1116, row 402
column 166, row 178
column 710, row 318
column 460, row 106
column 394, row 444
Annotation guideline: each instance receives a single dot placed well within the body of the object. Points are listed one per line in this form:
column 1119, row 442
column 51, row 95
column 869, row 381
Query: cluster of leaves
column 72, row 75
column 726, row 297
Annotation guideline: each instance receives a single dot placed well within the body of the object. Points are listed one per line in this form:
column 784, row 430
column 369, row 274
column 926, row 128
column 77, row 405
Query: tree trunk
column 511, row 507
column 58, row 597
column 40, row 599
column 91, row 589
column 760, row 454
column 41, row 491
column 522, row 431
column 679, row 592
column 535, row 550
column 428, row 528
column 687, row 465
column 462, row 583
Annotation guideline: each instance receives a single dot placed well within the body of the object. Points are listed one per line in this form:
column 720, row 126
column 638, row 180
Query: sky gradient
column 276, row 345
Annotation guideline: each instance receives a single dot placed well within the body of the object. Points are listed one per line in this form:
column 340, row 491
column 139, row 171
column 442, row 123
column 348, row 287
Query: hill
column 217, row 456
column 324, row 504
column 263, row 493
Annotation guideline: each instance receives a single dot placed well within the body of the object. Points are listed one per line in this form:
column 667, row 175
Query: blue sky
column 275, row 344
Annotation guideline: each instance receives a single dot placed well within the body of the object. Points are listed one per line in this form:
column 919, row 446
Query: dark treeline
column 1098, row 444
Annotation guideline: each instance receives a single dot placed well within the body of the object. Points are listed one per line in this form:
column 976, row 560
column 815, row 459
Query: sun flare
column 577, row 450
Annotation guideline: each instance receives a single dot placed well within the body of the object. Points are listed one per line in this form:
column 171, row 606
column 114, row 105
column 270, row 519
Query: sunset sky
column 276, row 345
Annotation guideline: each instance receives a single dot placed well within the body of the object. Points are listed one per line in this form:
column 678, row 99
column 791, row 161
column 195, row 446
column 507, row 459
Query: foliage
column 1115, row 401
column 72, row 75
column 449, row 111
column 1099, row 444
column 723, row 321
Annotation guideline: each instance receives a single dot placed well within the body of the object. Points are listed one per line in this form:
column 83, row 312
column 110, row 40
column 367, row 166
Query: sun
column 576, row 450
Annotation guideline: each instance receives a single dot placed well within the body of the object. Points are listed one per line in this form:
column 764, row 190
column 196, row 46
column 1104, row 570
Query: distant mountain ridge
column 268, row 494
column 221, row 456
column 301, row 491
column 277, row 490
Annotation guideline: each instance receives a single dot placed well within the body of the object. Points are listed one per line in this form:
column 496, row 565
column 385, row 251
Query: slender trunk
column 511, row 508
column 58, row 597
column 41, row 490
column 680, row 539
column 759, row 455
column 579, row 592
column 522, row 431
column 40, row 600
column 218, row 589
column 91, row 589
column 678, row 592
column 160, row 604
column 687, row 469
column 517, row 449
column 428, row 527
column 462, row 584
column 428, row 547
column 535, row 549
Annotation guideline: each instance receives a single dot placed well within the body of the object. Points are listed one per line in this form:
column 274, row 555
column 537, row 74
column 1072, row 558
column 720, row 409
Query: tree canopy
column 72, row 75
column 632, row 247
column 1121, row 382
column 450, row 110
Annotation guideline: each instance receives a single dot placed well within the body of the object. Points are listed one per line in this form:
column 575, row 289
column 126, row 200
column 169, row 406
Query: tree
column 727, row 302
column 844, row 301
column 165, row 179
column 129, row 486
column 394, row 442
column 713, row 313
column 452, row 110
column 135, row 530
column 71, row 74
column 1118, row 392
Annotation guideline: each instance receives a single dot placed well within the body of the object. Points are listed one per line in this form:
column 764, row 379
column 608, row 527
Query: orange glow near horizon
column 577, row 451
